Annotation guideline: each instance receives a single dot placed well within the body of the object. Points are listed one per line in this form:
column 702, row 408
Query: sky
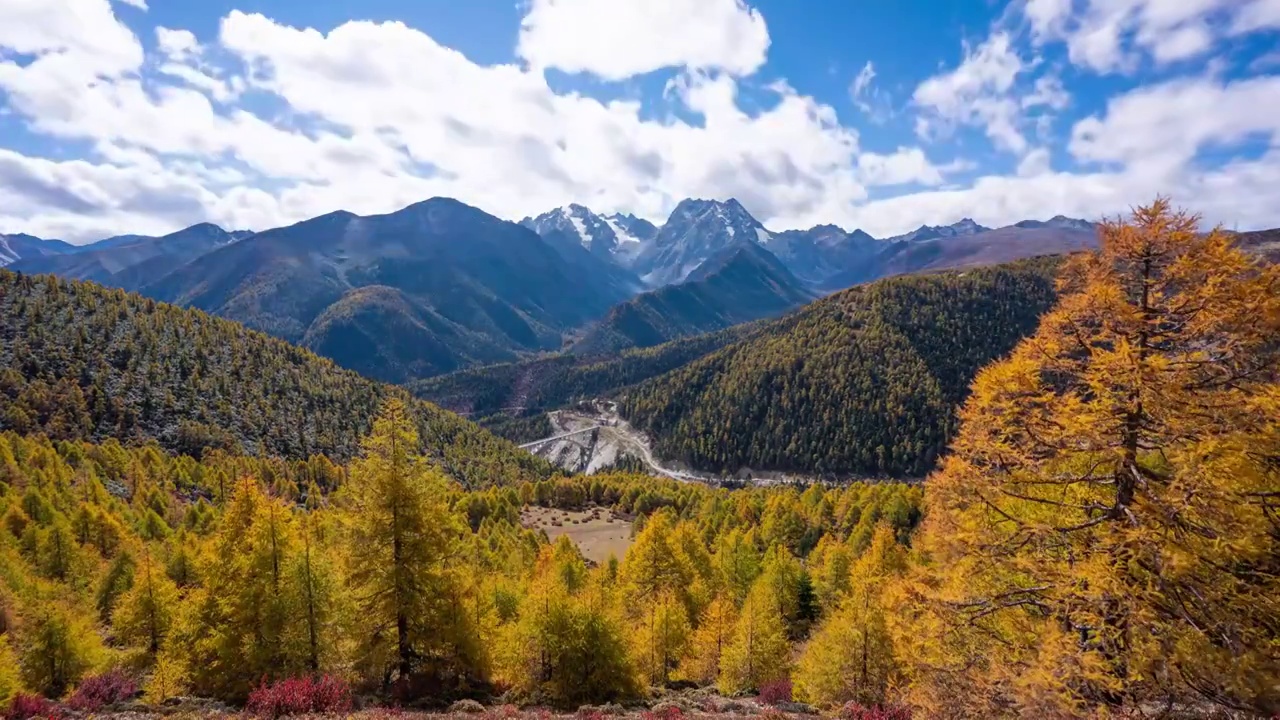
column 146, row 116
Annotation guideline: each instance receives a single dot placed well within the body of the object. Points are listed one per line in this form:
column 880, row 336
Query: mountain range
column 441, row 286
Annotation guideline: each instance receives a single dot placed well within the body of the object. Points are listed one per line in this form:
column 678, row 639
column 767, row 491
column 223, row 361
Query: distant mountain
column 696, row 230
column 495, row 393
column 862, row 383
column 617, row 238
column 383, row 333
column 989, row 247
column 130, row 261
column 461, row 285
column 738, row 284
column 821, row 252
column 925, row 232
column 1060, row 222
column 14, row 248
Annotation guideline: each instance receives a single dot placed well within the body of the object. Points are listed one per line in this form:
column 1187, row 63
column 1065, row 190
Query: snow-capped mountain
column 16, row 247
column 928, row 232
column 696, row 230
column 619, row 238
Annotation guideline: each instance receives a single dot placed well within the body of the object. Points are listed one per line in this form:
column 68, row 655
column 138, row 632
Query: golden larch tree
column 1105, row 532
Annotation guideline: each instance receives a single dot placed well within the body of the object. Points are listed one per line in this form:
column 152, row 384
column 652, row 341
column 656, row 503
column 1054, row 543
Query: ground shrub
column 99, row 691
column 778, row 691
column 856, row 711
column 298, row 696
column 24, row 706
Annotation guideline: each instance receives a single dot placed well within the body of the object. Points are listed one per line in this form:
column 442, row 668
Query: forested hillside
column 864, row 382
column 79, row 361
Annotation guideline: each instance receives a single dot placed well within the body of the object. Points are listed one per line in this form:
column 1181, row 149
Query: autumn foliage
column 1104, row 533
column 1102, row 538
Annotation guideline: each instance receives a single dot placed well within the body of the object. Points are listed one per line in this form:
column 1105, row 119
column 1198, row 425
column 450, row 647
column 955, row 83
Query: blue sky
column 148, row 115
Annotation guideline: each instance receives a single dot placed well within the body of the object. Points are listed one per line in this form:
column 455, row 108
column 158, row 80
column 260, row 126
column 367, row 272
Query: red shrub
column 24, row 706
column 298, row 696
column 109, row 688
column 855, row 711
column 778, row 691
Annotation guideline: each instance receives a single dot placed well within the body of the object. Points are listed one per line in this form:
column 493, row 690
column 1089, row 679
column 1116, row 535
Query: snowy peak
column 696, row 230
column 16, row 247
column 619, row 238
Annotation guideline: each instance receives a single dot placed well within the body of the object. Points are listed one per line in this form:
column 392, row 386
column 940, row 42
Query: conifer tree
column 144, row 616
column 1104, row 534
column 58, row 648
column 402, row 538
column 759, row 652
column 850, row 657
column 715, row 629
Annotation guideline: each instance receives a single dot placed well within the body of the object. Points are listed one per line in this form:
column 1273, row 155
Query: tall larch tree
column 402, row 542
column 759, row 652
column 1105, row 533
column 850, row 657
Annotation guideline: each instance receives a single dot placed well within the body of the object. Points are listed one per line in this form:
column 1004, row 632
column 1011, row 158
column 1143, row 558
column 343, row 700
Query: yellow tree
column 759, row 652
column 851, row 657
column 144, row 615
column 715, row 628
column 1105, row 530
column 402, row 542
column 655, row 585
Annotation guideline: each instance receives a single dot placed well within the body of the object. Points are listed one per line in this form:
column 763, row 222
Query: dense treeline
column 206, row 577
column 79, row 361
column 536, row 386
column 864, row 382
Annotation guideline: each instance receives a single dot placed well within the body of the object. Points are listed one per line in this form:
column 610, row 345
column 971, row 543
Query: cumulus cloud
column 1107, row 36
column 979, row 92
column 617, row 39
column 372, row 116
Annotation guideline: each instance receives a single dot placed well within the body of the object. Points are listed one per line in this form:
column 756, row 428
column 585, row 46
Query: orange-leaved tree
column 1106, row 531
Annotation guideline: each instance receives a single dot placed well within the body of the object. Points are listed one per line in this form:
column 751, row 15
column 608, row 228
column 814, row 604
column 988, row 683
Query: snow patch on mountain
column 580, row 227
column 7, row 253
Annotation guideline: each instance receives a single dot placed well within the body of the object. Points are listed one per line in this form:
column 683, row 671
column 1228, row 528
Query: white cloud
column 1258, row 15
column 1115, row 35
column 370, row 117
column 1166, row 125
column 907, row 165
column 871, row 101
column 863, row 81
column 979, row 92
column 176, row 44
column 1048, row 92
column 140, row 4
column 617, row 39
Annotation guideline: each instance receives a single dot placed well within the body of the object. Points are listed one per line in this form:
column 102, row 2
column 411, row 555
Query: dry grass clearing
column 596, row 531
